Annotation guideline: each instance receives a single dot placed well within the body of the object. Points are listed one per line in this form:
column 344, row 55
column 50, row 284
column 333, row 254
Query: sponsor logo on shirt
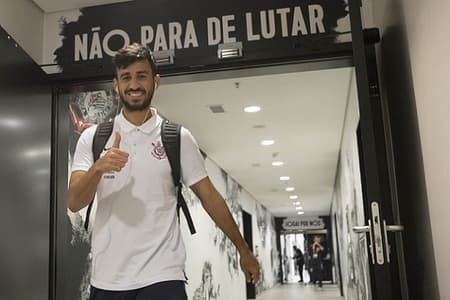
column 109, row 175
column 158, row 151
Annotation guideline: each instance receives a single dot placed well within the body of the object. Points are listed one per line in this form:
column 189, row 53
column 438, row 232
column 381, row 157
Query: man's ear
column 157, row 80
column 116, row 86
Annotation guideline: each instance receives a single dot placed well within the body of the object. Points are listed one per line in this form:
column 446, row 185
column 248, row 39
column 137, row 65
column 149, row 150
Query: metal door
column 383, row 226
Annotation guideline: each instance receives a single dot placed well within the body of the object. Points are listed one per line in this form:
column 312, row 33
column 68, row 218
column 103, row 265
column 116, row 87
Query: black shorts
column 166, row 290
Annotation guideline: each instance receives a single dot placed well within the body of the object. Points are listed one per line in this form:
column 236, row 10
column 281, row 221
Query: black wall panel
column 25, row 134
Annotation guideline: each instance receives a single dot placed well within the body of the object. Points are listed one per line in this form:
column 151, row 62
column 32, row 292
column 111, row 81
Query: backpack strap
column 170, row 137
column 101, row 136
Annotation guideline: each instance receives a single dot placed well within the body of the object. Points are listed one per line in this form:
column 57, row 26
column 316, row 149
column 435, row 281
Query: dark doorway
column 248, row 236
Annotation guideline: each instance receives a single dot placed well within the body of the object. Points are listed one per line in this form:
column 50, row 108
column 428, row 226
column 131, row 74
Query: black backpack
column 170, row 136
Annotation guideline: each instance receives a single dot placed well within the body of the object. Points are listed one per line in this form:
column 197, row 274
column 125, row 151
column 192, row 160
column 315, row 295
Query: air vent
column 259, row 126
column 216, row 109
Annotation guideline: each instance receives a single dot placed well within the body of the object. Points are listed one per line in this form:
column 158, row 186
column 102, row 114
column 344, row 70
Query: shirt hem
column 137, row 285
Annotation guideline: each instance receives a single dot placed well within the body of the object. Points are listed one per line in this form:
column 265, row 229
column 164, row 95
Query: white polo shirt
column 136, row 237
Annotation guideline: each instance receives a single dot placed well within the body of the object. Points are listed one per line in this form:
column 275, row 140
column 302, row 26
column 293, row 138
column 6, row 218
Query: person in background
column 299, row 261
column 318, row 252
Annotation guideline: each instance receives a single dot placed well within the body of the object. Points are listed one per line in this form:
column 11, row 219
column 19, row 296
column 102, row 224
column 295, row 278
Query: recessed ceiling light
column 277, row 163
column 290, row 189
column 293, row 197
column 296, row 203
column 300, row 212
column 284, row 178
column 267, row 142
column 299, row 208
column 252, row 109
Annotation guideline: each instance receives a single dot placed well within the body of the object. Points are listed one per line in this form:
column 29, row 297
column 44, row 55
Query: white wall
column 24, row 21
column 428, row 24
column 427, row 28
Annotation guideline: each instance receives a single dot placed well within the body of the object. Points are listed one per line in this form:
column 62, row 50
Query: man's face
column 136, row 85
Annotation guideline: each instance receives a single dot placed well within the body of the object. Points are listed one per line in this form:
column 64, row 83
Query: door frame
column 388, row 279
column 248, row 236
column 370, row 141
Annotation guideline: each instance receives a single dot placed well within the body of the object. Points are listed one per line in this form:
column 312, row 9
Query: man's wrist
column 243, row 248
column 96, row 170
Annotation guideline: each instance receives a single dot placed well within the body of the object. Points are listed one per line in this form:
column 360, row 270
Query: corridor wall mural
column 212, row 265
column 349, row 212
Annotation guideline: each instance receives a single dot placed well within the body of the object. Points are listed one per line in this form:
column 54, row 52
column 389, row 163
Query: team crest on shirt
column 158, row 151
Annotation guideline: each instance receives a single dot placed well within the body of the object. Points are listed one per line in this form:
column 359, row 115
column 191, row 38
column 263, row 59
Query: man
column 137, row 250
column 317, row 260
column 299, row 261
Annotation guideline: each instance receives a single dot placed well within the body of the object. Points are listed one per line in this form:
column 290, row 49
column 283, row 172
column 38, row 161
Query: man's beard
column 138, row 106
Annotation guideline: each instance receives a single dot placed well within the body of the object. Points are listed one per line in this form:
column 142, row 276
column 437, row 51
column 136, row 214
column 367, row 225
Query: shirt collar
column 147, row 127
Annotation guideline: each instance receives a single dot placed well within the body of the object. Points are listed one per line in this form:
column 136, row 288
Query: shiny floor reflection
column 300, row 291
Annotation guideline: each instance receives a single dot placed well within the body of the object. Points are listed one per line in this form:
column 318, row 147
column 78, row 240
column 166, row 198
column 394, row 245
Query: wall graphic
column 348, row 207
column 208, row 290
column 266, row 30
column 233, row 191
column 86, row 108
column 208, row 250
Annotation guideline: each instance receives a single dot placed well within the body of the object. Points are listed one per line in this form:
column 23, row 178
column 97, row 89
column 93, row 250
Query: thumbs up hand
column 114, row 159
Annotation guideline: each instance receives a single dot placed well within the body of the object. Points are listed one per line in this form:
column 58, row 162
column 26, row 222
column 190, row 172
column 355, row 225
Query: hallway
column 297, row 291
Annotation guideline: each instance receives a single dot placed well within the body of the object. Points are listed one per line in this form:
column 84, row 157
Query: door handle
column 380, row 232
column 361, row 229
column 367, row 229
column 394, row 228
column 386, row 229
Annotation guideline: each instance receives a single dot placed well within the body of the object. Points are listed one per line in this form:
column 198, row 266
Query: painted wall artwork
column 85, row 108
column 266, row 248
column 79, row 43
column 208, row 289
column 212, row 265
column 349, row 211
column 232, row 194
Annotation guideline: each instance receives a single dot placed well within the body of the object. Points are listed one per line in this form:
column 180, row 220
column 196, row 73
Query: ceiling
column 303, row 112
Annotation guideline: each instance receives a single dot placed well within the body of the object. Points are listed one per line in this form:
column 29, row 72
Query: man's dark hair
column 131, row 54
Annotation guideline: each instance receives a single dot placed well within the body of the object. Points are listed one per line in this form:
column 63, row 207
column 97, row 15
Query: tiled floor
column 299, row 291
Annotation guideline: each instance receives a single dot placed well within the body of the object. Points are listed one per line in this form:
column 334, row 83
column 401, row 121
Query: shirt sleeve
column 83, row 157
column 192, row 162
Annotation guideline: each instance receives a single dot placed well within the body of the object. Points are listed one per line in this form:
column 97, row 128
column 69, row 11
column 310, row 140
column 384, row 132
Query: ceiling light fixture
column 290, row 189
column 293, row 197
column 277, row 163
column 301, row 213
column 299, row 208
column 296, row 203
column 252, row 109
column 267, row 142
column 284, row 178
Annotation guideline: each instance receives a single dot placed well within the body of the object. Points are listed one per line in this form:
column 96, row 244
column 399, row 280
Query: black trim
column 53, row 197
column 373, row 157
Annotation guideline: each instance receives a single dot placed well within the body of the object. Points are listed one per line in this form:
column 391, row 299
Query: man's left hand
column 250, row 266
